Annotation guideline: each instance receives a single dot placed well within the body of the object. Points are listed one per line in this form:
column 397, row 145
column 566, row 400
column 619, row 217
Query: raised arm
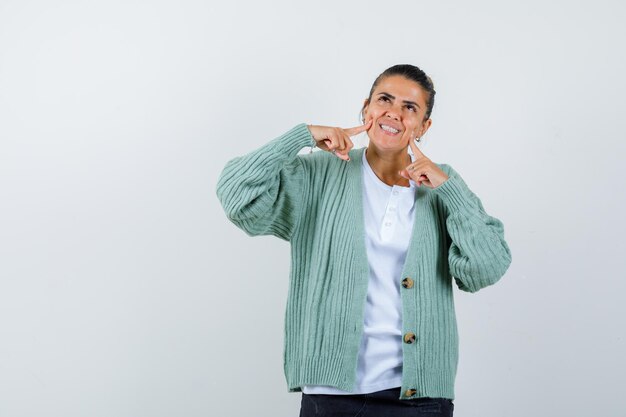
column 478, row 255
column 262, row 191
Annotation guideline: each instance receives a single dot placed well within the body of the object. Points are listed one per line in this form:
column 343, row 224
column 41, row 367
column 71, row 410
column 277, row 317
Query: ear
column 425, row 126
column 364, row 108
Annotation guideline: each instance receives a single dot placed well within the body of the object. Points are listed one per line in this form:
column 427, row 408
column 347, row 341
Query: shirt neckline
column 387, row 187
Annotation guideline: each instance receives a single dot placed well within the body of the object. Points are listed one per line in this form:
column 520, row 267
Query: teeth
column 389, row 129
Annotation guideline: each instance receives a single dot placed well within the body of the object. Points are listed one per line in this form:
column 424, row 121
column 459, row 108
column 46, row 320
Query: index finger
column 358, row 129
column 416, row 150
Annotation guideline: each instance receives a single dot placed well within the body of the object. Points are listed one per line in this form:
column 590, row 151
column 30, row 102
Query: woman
column 377, row 236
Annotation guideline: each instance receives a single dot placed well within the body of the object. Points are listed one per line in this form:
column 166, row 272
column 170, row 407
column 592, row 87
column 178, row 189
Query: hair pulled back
column 413, row 73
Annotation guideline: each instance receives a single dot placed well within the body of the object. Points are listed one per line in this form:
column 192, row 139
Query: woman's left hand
column 423, row 170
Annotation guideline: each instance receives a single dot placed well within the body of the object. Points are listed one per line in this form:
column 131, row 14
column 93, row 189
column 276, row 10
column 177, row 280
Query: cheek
column 373, row 113
column 412, row 126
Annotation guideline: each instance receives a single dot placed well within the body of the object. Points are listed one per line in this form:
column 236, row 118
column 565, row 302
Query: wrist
column 313, row 141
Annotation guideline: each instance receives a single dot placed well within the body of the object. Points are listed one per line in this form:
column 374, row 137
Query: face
column 398, row 107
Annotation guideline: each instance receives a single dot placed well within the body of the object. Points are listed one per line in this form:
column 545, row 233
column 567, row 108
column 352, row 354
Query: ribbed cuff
column 295, row 139
column 455, row 194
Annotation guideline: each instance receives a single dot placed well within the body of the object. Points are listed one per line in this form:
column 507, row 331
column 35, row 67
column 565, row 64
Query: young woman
column 378, row 236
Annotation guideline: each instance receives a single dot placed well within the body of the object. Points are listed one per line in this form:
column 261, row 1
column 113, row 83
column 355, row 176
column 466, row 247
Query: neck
column 387, row 164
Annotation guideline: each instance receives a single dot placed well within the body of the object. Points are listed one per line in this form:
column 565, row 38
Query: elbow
column 230, row 199
column 474, row 285
column 474, row 277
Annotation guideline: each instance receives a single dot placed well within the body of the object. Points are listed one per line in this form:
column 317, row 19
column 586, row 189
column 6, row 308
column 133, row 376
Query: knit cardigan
column 315, row 202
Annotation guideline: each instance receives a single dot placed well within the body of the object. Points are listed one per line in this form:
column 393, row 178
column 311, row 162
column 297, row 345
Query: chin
column 388, row 144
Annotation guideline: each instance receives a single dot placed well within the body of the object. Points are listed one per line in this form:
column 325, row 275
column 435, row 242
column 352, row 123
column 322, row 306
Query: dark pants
column 376, row 404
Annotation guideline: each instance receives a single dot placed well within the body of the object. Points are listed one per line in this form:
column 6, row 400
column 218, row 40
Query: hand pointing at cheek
column 336, row 139
column 422, row 170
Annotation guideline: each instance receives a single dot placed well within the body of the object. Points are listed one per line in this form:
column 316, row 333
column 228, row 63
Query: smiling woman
column 401, row 108
column 370, row 326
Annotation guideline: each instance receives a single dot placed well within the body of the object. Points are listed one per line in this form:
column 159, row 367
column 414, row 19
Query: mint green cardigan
column 315, row 202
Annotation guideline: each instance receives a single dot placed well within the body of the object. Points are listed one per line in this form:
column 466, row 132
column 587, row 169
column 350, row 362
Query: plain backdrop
column 124, row 289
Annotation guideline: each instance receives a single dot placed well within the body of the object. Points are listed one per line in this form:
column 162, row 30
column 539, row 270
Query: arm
column 478, row 255
column 262, row 192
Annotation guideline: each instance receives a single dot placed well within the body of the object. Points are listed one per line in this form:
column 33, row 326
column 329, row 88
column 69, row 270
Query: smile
column 388, row 129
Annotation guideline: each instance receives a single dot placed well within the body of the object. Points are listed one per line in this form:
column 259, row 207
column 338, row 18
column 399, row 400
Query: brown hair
column 413, row 73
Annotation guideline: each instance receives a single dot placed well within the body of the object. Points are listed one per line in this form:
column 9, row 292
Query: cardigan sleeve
column 262, row 192
column 478, row 255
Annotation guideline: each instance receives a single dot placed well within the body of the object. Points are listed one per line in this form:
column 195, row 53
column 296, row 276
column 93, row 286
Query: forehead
column 402, row 89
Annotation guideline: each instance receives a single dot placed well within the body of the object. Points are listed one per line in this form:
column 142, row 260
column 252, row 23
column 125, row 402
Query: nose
column 393, row 115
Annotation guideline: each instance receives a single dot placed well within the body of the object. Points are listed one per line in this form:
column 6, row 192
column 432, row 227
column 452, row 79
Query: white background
column 125, row 291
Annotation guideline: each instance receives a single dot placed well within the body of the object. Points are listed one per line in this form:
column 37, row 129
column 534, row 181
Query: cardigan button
column 409, row 338
column 407, row 282
column 409, row 392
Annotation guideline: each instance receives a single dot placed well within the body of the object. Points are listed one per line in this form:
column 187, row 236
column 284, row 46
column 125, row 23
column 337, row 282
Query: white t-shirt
column 388, row 214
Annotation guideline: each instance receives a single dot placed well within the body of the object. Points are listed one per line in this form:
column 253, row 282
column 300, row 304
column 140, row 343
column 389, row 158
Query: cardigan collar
column 422, row 199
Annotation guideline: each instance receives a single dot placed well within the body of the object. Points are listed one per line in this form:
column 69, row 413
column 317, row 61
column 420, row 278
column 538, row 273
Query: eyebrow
column 404, row 101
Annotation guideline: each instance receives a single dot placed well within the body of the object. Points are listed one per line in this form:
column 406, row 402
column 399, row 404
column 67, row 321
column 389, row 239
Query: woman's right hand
column 336, row 139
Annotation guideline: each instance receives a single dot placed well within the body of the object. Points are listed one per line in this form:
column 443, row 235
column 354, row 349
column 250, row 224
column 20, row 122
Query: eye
column 412, row 108
column 383, row 98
